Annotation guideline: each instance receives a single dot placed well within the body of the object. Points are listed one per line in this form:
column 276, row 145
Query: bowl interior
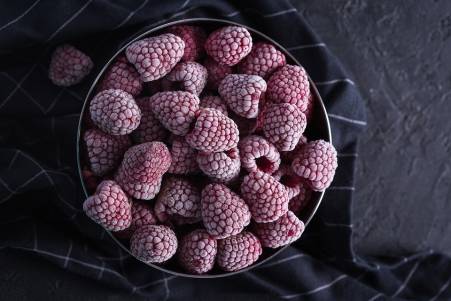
column 318, row 128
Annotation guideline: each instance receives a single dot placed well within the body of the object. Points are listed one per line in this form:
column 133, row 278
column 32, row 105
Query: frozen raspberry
column 176, row 110
column 263, row 60
column 213, row 132
column 68, row 66
column 216, row 72
column 192, row 75
column 289, row 179
column 178, row 198
column 266, row 197
column 109, row 207
column 214, row 102
column 289, row 156
column 282, row 232
column 238, row 251
column 224, row 213
column 121, row 75
column 154, row 57
column 300, row 201
column 149, row 129
column 289, row 84
column 142, row 168
column 242, row 93
column 153, row 243
column 115, row 112
column 229, row 45
column 104, row 151
column 183, row 157
column 310, row 106
column 197, row 252
column 221, row 167
column 194, row 38
column 258, row 154
column 283, row 125
column 316, row 162
column 142, row 215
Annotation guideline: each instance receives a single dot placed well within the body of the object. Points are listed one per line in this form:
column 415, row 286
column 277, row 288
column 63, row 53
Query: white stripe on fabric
column 347, row 155
column 350, row 120
column 232, row 14
column 280, row 13
column 305, row 46
column 318, row 289
column 341, row 188
column 270, row 264
column 441, row 290
column 66, row 261
column 375, row 297
column 338, row 225
column 404, row 284
column 131, row 14
column 20, row 16
column 334, row 81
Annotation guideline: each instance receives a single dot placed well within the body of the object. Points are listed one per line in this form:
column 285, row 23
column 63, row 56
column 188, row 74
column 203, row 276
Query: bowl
column 318, row 128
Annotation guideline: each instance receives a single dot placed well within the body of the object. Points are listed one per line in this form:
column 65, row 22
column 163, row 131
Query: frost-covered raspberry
column 115, row 112
column 69, row 66
column 289, row 84
column 142, row 168
column 153, row 243
column 155, row 57
column 176, row 110
column 242, row 93
column 104, row 151
column 229, row 45
column 224, row 213
column 149, row 129
column 316, row 162
column 283, row 231
column 283, row 125
column 222, row 166
column 300, row 201
column 142, row 215
column 121, row 75
column 183, row 157
column 266, row 197
column 178, row 198
column 192, row 75
column 258, row 154
column 289, row 179
column 194, row 38
column 109, row 207
column 216, row 72
column 290, row 155
column 263, row 60
column 238, row 251
column 214, row 102
column 213, row 132
column 197, row 251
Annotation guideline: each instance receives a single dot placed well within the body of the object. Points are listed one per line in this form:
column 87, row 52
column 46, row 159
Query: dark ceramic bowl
column 318, row 128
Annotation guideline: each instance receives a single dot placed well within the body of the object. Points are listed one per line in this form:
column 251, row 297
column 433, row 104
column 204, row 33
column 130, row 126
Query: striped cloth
column 41, row 197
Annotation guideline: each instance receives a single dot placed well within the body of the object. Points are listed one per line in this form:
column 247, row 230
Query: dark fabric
column 40, row 192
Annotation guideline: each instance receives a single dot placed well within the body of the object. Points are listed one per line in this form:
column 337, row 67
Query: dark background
column 398, row 53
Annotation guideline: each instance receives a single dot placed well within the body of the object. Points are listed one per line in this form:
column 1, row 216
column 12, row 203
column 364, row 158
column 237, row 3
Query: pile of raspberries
column 195, row 149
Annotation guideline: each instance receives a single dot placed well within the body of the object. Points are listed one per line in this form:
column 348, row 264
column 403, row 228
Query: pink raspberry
column 238, row 251
column 213, row 132
column 289, row 179
column 229, row 45
column 192, row 75
column 109, row 207
column 224, row 213
column 221, row 167
column 69, row 66
column 242, row 93
column 176, row 110
column 115, row 112
column 316, row 162
column 121, row 75
column 150, row 129
column 300, row 201
column 194, row 38
column 289, row 84
column 266, row 197
column 178, row 198
column 282, row 232
column 153, row 243
column 104, row 151
column 183, row 157
column 283, row 125
column 197, row 252
column 216, row 72
column 258, row 154
column 263, row 60
column 290, row 155
column 155, row 57
column 142, row 215
column 142, row 168
column 214, row 102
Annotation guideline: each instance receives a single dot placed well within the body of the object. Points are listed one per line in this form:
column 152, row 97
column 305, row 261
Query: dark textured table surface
column 398, row 53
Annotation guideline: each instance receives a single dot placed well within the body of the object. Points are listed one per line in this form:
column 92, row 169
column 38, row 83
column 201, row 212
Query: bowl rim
column 141, row 34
